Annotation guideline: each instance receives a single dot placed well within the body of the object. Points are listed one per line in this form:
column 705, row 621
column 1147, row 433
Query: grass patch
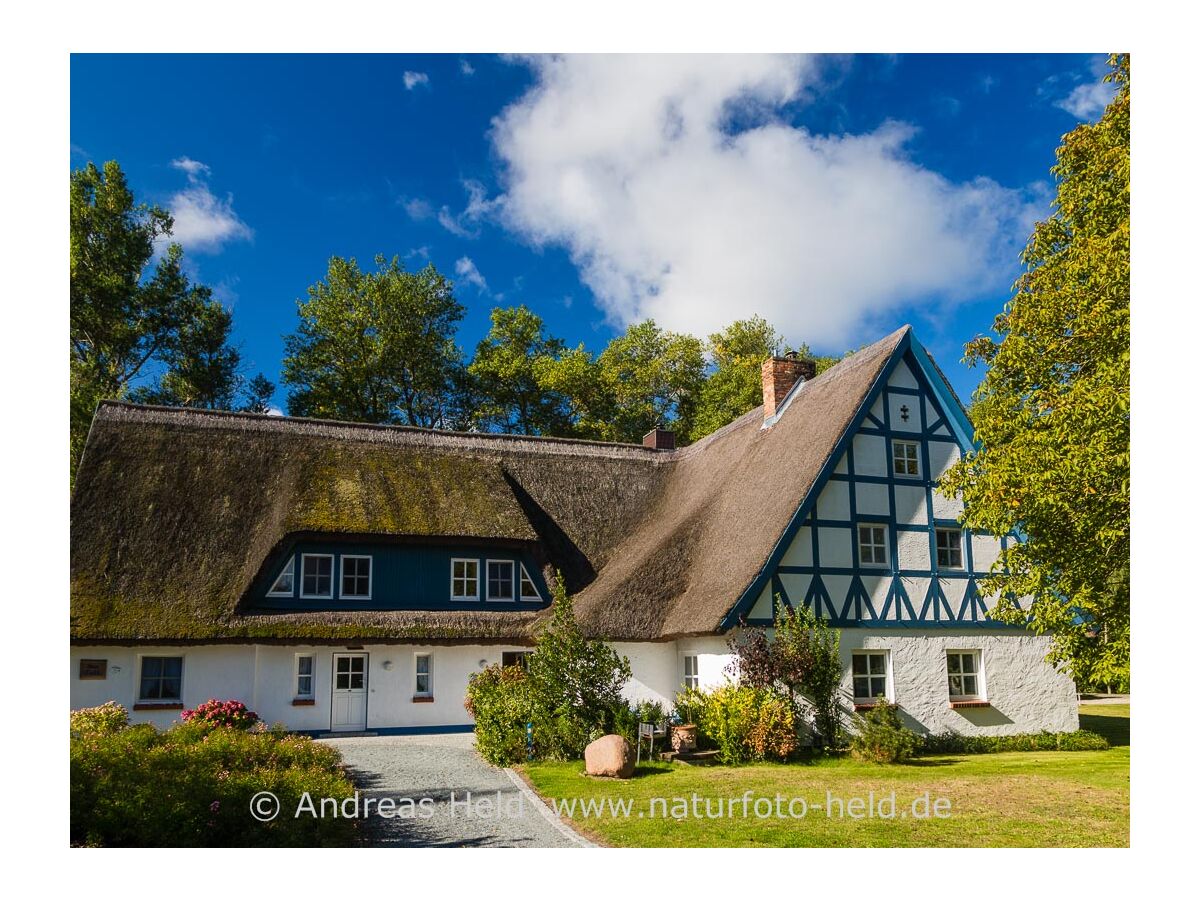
column 1111, row 720
column 1039, row 799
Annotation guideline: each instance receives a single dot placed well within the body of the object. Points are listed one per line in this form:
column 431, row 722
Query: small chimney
column 659, row 439
column 779, row 376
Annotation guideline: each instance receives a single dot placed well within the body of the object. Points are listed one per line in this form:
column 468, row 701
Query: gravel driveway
column 457, row 800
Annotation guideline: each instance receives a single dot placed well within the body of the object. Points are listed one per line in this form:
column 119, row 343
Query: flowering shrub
column 105, row 719
column 225, row 713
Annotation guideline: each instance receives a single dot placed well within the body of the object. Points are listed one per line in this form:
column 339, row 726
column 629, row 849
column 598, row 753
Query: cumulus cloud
column 465, row 268
column 682, row 194
column 204, row 222
column 413, row 79
column 1087, row 101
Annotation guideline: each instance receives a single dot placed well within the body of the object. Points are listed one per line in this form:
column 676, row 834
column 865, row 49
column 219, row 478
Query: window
column 869, row 669
column 424, row 675
column 904, row 459
column 285, row 584
column 316, row 576
column 350, row 673
column 162, row 678
column 356, row 577
column 949, row 548
column 529, row 590
column 516, row 658
column 464, row 579
column 872, row 545
column 962, row 667
column 691, row 672
column 499, row 579
column 304, row 677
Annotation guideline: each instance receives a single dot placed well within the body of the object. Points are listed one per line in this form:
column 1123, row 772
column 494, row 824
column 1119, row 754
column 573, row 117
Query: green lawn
column 1049, row 799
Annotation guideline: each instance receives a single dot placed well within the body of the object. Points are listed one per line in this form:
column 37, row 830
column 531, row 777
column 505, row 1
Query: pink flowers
column 224, row 713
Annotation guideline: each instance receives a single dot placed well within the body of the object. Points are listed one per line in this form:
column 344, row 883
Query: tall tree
column 258, row 392
column 202, row 366
column 126, row 307
column 1052, row 413
column 377, row 347
column 506, row 369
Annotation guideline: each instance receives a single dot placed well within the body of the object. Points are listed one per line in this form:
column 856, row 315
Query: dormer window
column 316, row 576
column 356, row 577
column 529, row 590
column 285, row 584
column 464, row 579
column 905, row 459
column 500, row 579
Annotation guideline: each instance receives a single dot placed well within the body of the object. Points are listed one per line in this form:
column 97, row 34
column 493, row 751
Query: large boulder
column 609, row 756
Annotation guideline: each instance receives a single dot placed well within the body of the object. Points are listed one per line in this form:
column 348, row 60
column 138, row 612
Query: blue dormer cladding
column 362, row 575
column 874, row 544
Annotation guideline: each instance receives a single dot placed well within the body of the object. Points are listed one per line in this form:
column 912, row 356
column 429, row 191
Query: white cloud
column 417, row 209
column 412, row 79
column 681, row 195
column 466, row 223
column 465, row 268
column 466, row 68
column 1087, row 101
column 204, row 222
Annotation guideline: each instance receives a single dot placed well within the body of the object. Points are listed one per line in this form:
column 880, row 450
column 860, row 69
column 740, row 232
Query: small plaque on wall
column 93, row 668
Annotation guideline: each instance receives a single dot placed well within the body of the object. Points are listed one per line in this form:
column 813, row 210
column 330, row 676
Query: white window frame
column 289, row 569
column 887, row 675
column 464, row 597
column 858, row 526
column 526, row 579
column 980, row 681
column 342, row 576
column 428, row 673
column 691, row 679
column 487, row 590
column 522, row 657
column 962, row 557
column 142, row 657
column 916, row 445
column 311, row 676
column 333, row 575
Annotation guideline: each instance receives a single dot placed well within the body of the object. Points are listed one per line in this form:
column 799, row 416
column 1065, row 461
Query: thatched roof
column 176, row 512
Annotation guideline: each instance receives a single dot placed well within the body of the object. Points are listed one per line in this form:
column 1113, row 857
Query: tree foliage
column 203, row 368
column 377, row 347
column 1052, row 413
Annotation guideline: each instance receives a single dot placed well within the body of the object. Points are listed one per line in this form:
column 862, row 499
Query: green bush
column 950, row 743
column 571, row 693
column 729, row 715
column 689, row 705
column 105, row 719
column 773, row 733
column 191, row 786
column 882, row 737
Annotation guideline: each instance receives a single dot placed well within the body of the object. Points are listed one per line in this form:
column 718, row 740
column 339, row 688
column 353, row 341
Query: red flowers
column 224, row 713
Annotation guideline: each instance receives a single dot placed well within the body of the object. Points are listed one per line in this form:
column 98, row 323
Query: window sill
column 864, row 705
column 142, row 707
column 969, row 704
column 422, row 700
column 300, row 701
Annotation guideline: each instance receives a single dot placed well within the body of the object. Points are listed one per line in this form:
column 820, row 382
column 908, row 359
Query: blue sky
column 837, row 196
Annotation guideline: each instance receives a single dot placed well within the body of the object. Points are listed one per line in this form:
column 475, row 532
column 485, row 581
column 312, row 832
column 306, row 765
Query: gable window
column 285, row 584
column 464, row 579
column 691, row 672
column 499, row 579
column 963, row 672
column 872, row 545
column 304, row 677
column 904, row 459
column 316, row 576
column 529, row 590
column 424, row 673
column 161, row 678
column 949, row 548
column 356, row 577
column 869, row 670
column 516, row 658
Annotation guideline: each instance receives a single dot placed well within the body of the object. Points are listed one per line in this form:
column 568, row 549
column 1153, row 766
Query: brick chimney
column 659, row 439
column 779, row 376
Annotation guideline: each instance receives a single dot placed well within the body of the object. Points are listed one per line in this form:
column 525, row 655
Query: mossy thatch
column 175, row 513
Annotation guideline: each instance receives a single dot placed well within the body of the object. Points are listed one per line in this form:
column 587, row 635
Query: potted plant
column 688, row 706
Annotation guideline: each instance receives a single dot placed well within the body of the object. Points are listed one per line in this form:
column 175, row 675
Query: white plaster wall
column 835, row 547
column 834, row 501
column 910, row 505
column 1025, row 692
column 657, row 672
column 912, row 548
column 870, row 455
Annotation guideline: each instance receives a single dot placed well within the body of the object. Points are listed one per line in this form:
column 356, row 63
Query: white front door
column 349, row 692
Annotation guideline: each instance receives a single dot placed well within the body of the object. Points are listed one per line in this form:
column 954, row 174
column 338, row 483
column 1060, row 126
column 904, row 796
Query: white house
column 345, row 577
